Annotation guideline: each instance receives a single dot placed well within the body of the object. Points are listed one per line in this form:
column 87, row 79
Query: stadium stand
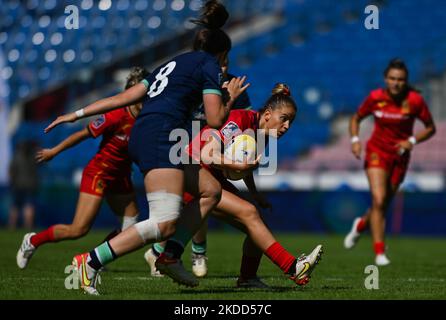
column 336, row 61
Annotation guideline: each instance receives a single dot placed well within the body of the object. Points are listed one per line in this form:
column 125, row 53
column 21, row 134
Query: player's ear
column 267, row 114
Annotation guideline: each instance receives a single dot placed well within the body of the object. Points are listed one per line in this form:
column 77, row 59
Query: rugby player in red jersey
column 107, row 176
column 395, row 109
column 274, row 119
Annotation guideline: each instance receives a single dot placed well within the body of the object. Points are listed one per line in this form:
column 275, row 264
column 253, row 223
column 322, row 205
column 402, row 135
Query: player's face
column 396, row 81
column 278, row 121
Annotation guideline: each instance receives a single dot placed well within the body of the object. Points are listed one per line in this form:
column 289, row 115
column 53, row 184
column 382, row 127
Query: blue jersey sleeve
column 211, row 77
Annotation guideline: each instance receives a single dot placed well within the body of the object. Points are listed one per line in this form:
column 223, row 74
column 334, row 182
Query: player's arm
column 216, row 110
column 45, row 155
column 211, row 154
column 427, row 133
column 252, row 188
column 355, row 122
column 429, row 129
column 128, row 97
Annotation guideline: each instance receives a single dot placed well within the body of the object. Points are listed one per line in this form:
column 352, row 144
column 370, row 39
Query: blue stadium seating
column 344, row 61
column 323, row 46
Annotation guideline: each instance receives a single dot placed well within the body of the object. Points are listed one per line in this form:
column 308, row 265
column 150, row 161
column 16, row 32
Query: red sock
column 43, row 237
column 361, row 226
column 379, row 247
column 282, row 258
column 249, row 267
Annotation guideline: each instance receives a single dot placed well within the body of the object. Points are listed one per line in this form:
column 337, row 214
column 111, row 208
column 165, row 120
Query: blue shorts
column 149, row 145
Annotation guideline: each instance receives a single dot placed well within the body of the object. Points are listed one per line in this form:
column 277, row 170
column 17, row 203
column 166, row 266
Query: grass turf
column 416, row 272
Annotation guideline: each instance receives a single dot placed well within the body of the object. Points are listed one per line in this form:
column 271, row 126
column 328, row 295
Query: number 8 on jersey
column 161, row 80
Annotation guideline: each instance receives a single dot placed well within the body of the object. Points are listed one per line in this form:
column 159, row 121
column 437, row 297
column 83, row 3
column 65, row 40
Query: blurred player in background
column 199, row 243
column 106, row 176
column 395, row 109
column 274, row 118
column 169, row 95
column 24, row 183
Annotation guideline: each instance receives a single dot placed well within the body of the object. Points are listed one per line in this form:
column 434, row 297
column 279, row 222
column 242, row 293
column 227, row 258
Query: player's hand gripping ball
column 241, row 149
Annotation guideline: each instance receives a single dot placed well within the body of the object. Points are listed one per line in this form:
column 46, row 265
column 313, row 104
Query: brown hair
column 211, row 38
column 399, row 64
column 280, row 96
column 137, row 74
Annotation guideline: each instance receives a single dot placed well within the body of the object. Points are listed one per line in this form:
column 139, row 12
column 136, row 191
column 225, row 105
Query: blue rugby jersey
column 176, row 88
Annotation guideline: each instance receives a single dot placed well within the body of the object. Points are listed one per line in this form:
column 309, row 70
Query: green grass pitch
column 417, row 271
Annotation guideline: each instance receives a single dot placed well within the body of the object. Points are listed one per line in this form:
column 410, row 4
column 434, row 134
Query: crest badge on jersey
column 405, row 107
column 98, row 122
column 230, row 130
column 374, row 159
column 382, row 104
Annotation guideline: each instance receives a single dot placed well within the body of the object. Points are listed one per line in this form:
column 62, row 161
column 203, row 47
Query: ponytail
column 211, row 38
column 280, row 96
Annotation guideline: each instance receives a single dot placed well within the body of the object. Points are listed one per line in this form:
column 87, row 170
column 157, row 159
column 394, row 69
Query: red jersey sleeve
column 423, row 112
column 105, row 122
column 366, row 108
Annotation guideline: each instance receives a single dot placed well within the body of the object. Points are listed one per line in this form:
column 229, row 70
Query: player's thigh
column 224, row 217
column 200, row 182
column 87, row 208
column 122, row 204
column 379, row 182
column 168, row 180
column 236, row 208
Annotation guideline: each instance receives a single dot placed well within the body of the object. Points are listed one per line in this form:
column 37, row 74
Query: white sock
column 129, row 221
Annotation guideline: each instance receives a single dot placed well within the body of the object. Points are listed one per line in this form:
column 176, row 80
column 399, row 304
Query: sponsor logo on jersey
column 122, row 137
column 99, row 187
column 98, row 122
column 389, row 115
column 230, row 130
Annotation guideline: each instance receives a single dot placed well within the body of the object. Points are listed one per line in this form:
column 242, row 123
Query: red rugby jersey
column 115, row 127
column 238, row 121
column 393, row 123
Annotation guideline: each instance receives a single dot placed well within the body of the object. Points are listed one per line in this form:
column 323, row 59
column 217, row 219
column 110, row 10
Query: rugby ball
column 241, row 148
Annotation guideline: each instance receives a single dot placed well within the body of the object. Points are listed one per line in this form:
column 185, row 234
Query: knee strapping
column 164, row 206
column 148, row 230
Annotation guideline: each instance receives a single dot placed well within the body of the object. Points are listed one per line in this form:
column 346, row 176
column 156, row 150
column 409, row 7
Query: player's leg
column 124, row 206
column 251, row 258
column 373, row 159
column 13, row 217
column 379, row 188
column 28, row 215
column 243, row 212
column 164, row 198
column 87, row 207
column 359, row 225
column 206, row 190
column 199, row 246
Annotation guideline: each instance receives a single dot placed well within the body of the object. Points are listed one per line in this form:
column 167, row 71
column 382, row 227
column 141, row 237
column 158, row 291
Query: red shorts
column 225, row 184
column 394, row 164
column 98, row 182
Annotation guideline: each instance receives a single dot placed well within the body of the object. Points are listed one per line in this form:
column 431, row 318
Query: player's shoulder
column 415, row 97
column 378, row 94
column 242, row 115
column 119, row 115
